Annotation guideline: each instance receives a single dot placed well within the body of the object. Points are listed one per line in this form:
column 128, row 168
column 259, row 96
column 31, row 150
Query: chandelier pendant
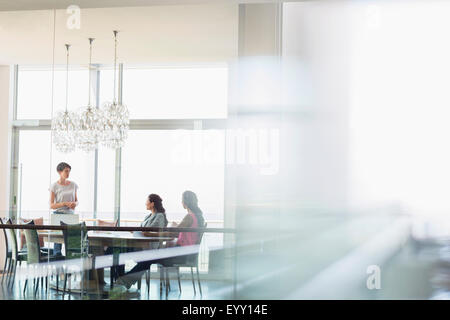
column 91, row 121
column 65, row 123
column 116, row 116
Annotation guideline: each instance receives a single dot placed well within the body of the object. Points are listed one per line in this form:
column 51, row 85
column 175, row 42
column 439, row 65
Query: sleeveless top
column 64, row 194
column 189, row 238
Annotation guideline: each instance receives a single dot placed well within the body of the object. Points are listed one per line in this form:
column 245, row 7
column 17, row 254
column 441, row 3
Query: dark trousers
column 145, row 265
column 118, row 270
column 57, row 247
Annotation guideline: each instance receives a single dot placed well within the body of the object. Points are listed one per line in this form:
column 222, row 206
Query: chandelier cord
column 67, row 76
column 52, row 105
column 115, row 64
column 89, row 68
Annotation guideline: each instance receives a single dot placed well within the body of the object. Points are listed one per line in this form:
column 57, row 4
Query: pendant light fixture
column 90, row 129
column 65, row 123
column 116, row 116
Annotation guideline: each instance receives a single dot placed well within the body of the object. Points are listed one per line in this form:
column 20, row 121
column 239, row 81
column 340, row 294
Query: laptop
column 67, row 218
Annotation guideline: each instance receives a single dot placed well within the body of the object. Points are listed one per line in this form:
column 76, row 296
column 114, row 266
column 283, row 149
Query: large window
column 165, row 162
column 37, row 170
column 176, row 93
column 35, row 91
column 168, row 162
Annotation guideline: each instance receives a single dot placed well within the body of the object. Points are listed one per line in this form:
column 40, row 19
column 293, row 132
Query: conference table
column 122, row 239
column 97, row 242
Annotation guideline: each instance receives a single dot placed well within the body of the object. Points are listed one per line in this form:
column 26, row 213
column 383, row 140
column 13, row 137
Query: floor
column 414, row 273
column 211, row 290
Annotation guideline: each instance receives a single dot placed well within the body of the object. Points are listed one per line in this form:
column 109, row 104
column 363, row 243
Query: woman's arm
column 159, row 222
column 185, row 223
column 75, row 203
column 54, row 205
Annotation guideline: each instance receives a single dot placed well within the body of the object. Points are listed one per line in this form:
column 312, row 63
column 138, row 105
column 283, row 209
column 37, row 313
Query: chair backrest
column 33, row 246
column 107, row 223
column 75, row 237
column 8, row 250
column 11, row 240
column 192, row 259
column 36, row 221
column 200, row 234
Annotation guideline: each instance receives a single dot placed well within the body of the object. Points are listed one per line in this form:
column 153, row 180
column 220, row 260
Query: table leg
column 97, row 274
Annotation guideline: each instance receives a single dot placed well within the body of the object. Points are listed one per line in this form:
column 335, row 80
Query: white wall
column 4, row 149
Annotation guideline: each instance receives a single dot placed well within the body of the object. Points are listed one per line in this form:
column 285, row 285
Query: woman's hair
column 60, row 167
column 157, row 201
column 191, row 202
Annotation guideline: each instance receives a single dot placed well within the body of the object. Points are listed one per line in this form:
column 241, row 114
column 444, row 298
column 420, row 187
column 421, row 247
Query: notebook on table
column 68, row 218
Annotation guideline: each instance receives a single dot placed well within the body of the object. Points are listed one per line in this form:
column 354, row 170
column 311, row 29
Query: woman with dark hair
column 157, row 218
column 63, row 196
column 193, row 219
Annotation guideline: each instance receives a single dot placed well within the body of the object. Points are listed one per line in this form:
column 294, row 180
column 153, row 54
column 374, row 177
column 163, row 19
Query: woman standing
column 63, row 196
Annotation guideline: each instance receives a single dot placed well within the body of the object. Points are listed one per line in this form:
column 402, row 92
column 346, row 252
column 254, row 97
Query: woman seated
column 193, row 219
column 156, row 219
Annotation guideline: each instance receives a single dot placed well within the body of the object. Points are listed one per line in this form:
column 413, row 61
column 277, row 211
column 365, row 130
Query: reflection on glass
column 176, row 93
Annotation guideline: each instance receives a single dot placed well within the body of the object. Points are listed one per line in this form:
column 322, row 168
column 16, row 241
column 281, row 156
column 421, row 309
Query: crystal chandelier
column 90, row 124
column 65, row 123
column 116, row 116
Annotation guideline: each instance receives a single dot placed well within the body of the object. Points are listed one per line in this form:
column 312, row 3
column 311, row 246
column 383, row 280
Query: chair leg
column 69, row 290
column 36, row 287
column 46, row 284
column 64, row 286
column 161, row 277
column 193, row 283
column 147, row 278
column 139, row 283
column 25, row 287
column 13, row 276
column 168, row 278
column 178, row 276
column 167, row 281
column 111, row 277
column 4, row 269
column 10, row 267
column 198, row 279
column 7, row 271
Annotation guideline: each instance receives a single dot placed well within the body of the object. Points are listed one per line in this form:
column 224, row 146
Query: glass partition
column 266, row 155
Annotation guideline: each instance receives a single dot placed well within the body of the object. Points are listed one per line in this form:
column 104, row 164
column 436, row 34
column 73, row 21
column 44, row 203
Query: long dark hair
column 191, row 202
column 157, row 201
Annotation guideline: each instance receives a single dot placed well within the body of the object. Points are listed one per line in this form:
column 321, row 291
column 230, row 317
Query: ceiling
column 156, row 34
column 14, row 5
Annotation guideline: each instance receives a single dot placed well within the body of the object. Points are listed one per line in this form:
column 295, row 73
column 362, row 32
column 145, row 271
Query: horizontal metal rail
column 110, row 228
